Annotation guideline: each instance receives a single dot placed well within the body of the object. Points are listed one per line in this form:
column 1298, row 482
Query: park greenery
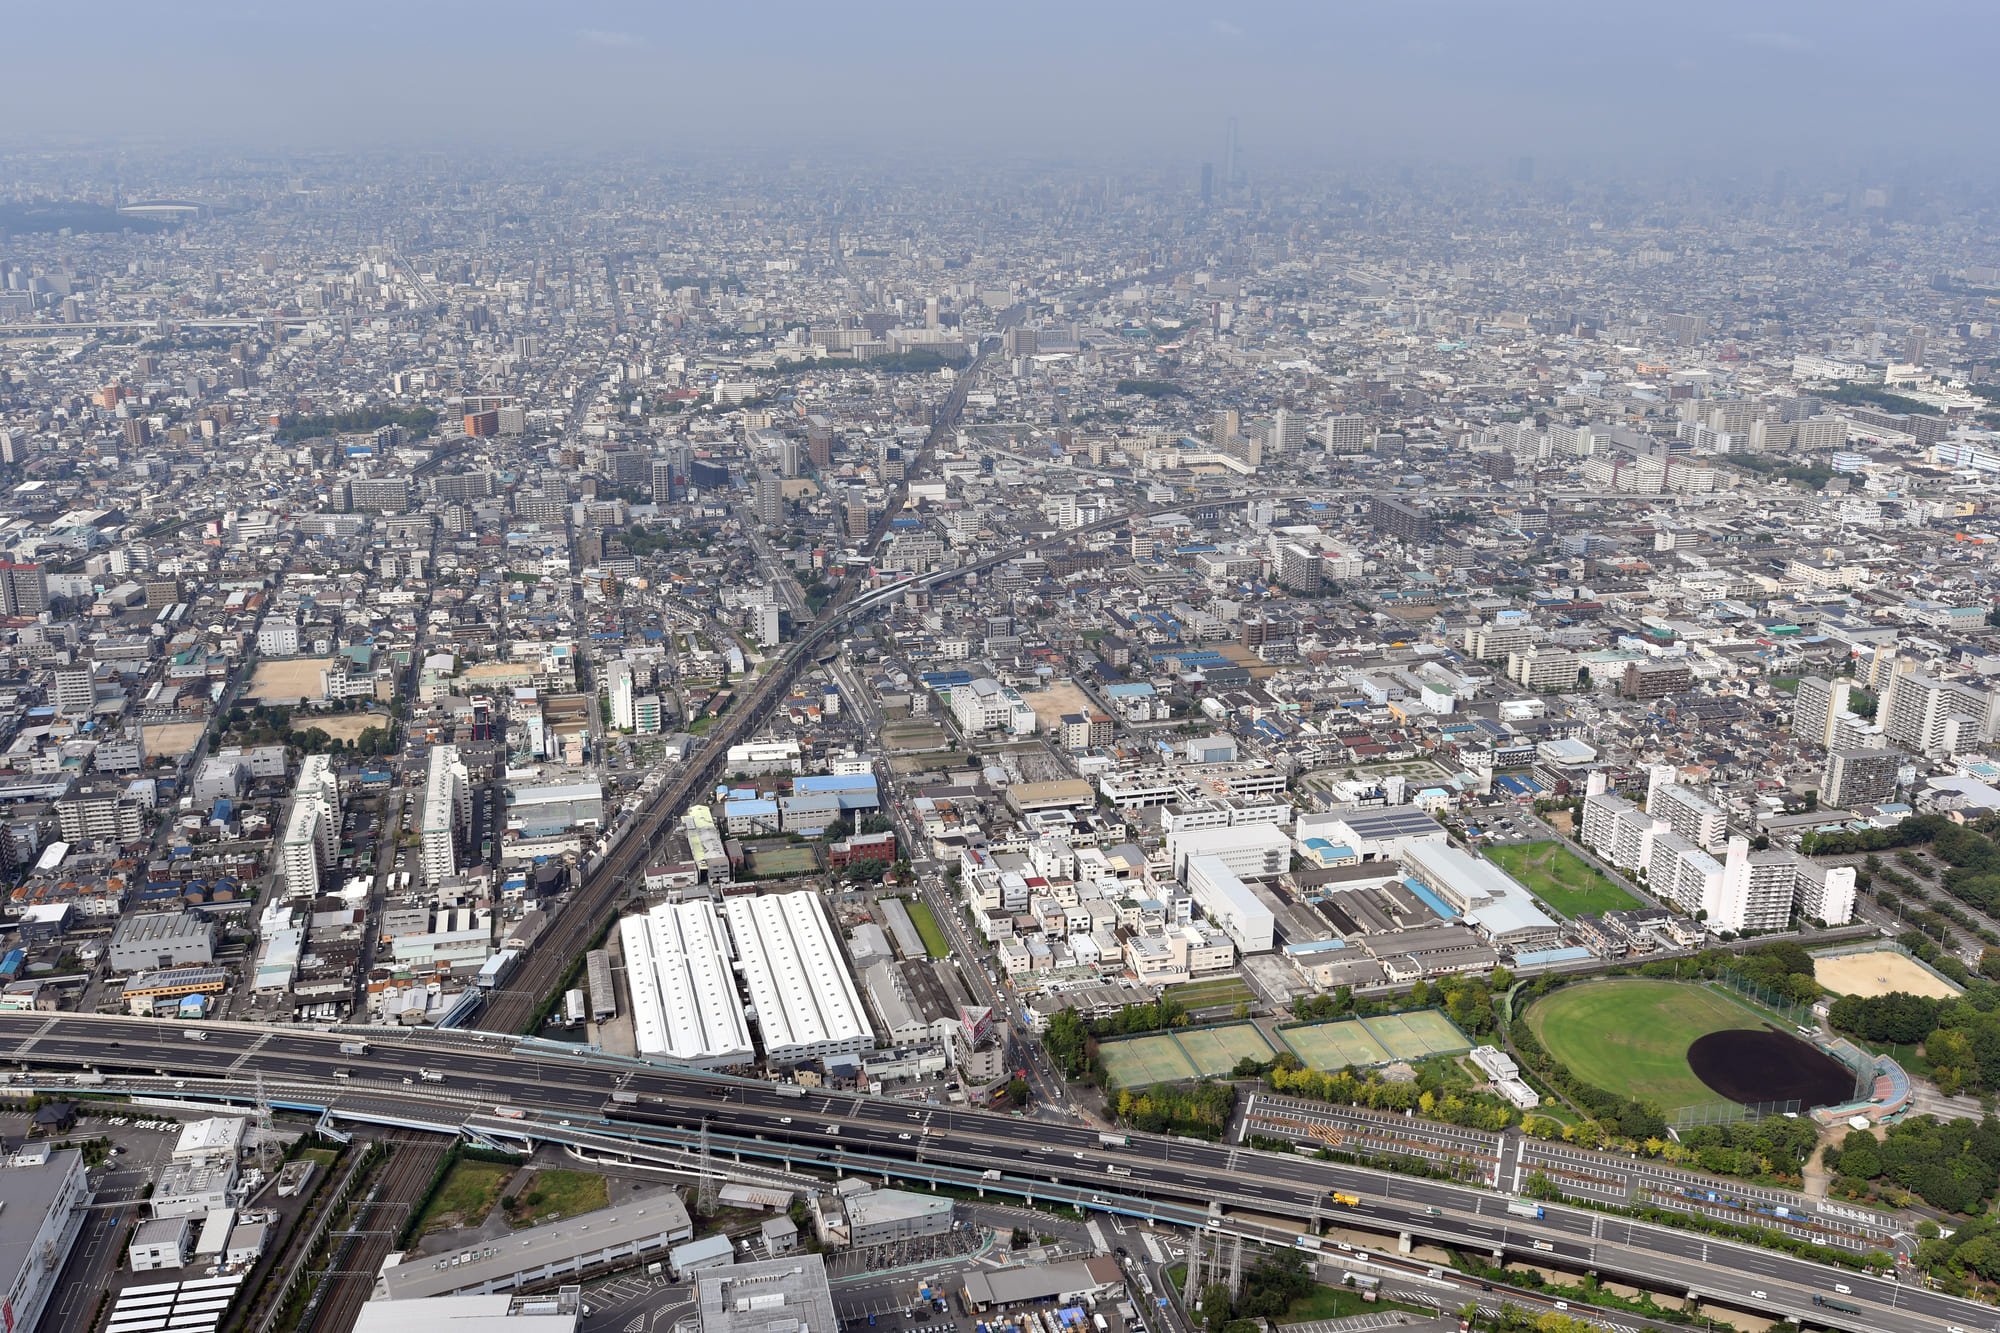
column 1199, row 1110
column 1949, row 1164
column 418, row 421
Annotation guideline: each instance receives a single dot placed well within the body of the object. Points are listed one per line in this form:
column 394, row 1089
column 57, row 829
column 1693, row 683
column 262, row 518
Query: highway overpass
column 503, row 1090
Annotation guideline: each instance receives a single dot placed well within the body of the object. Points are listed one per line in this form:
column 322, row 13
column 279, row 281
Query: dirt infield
column 1879, row 973
column 1140, row 1062
column 289, row 678
column 1765, row 1065
column 1215, row 1051
column 171, row 738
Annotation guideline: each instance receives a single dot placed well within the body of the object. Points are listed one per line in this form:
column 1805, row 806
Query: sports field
column 1140, row 1062
column 1414, row 1036
column 1630, row 1035
column 1878, row 973
column 1332, row 1045
column 1215, row 1051
column 1209, row 994
column 797, row 859
column 171, row 738
column 283, row 678
column 1561, row 878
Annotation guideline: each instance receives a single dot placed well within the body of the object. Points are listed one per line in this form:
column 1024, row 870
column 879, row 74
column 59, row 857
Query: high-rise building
column 770, row 500
column 24, row 589
column 1288, row 433
column 1686, row 811
column 1859, row 777
column 72, row 690
column 312, row 830
column 1815, row 704
column 618, row 679
column 447, row 812
column 1932, row 717
column 1386, row 514
column 1758, row 889
column 819, row 441
column 857, row 512
column 1223, row 427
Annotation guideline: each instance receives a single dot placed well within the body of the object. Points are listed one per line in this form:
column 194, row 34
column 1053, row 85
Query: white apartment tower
column 447, row 813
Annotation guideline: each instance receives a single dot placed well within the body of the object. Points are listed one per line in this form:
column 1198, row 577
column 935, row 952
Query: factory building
column 1251, row 851
column 806, row 1004
column 45, row 1192
column 632, row 1228
column 1228, row 902
column 684, row 1002
column 1490, row 900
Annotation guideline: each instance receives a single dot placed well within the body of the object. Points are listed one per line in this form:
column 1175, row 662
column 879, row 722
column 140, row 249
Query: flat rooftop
column 657, row 1213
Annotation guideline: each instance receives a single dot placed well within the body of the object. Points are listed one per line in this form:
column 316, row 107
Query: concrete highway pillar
column 1403, row 1242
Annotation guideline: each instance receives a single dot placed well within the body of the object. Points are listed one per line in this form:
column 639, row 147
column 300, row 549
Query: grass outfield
column 1561, row 878
column 1631, row 1035
column 927, row 926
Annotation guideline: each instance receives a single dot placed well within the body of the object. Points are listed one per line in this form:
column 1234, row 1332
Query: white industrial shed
column 684, row 1002
column 805, row 1001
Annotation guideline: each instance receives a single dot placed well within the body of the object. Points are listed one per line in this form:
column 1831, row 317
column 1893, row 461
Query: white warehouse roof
column 806, row 1002
column 684, row 1002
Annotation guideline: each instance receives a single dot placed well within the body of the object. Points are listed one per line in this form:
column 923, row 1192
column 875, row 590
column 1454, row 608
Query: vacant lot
column 466, row 1197
column 1631, row 1036
column 1052, row 703
column 1878, row 974
column 926, row 923
column 1561, row 878
column 548, row 1195
column 171, row 738
column 907, row 736
column 289, row 678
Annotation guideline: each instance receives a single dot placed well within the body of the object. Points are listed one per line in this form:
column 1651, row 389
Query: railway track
column 513, row 1007
column 370, row 1234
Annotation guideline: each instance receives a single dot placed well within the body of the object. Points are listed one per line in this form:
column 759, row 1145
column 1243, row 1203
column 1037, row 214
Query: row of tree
column 1949, row 1164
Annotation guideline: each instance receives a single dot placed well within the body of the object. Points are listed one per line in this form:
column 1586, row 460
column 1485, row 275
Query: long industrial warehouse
column 805, row 1001
column 684, row 1002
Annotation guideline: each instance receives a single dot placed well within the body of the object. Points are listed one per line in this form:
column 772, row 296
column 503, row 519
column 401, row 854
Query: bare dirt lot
column 170, row 738
column 1879, row 974
column 1052, row 703
column 344, row 726
column 291, row 678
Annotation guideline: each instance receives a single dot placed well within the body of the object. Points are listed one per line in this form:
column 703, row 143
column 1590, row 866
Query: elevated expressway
column 515, row 1092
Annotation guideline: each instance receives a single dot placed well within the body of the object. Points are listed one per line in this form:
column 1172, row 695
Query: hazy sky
column 1454, row 79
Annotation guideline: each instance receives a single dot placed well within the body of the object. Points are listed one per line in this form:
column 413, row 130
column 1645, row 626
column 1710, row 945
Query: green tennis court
column 1438, row 1034
column 1396, row 1037
column 1140, row 1062
column 1332, row 1045
column 1215, row 1051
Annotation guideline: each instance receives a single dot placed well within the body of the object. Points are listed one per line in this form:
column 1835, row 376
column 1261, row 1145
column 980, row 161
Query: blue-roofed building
column 854, row 791
column 750, row 816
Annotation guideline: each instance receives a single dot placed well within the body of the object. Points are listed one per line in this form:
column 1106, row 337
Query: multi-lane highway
column 500, row 1088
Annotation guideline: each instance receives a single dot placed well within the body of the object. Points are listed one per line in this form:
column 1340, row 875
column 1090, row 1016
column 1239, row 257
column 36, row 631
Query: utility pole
column 1193, row 1275
column 1236, row 1269
column 708, row 1193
